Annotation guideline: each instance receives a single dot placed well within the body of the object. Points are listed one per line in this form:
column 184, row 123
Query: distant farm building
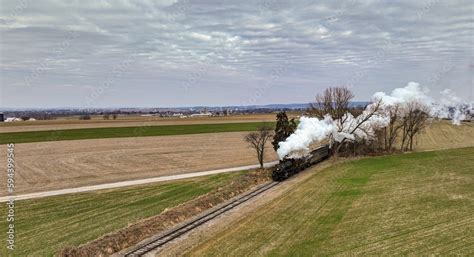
column 179, row 115
column 15, row 119
column 207, row 114
column 12, row 119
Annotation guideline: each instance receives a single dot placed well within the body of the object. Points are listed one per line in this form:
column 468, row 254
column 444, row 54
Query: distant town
column 10, row 115
column 29, row 114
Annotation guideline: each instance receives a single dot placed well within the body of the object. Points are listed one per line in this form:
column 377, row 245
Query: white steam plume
column 449, row 106
column 452, row 107
column 411, row 93
column 311, row 130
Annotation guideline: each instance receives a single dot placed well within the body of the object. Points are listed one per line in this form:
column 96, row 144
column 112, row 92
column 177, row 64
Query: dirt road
column 58, row 165
column 129, row 183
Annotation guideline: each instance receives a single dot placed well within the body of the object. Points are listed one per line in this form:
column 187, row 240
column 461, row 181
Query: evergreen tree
column 284, row 128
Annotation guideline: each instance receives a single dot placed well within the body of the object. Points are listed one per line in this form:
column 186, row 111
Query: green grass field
column 44, row 226
column 411, row 204
column 94, row 133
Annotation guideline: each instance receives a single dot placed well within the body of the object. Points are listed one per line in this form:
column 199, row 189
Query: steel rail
column 161, row 240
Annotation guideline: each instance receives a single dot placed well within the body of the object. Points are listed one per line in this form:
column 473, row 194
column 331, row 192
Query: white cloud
column 323, row 44
column 200, row 36
column 347, row 33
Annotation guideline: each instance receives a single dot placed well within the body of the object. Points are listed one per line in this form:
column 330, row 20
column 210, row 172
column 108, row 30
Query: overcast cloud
column 184, row 53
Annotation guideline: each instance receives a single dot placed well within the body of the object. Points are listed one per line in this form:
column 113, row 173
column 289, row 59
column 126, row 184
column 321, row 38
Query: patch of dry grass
column 444, row 135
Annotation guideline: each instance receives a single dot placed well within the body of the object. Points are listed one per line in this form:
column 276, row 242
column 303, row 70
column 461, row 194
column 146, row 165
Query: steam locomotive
column 289, row 167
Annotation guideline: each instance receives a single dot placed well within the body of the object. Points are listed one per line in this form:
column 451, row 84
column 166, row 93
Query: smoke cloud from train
column 311, row 129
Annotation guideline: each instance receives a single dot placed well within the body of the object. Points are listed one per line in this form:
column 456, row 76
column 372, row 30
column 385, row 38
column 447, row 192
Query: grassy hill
column 417, row 203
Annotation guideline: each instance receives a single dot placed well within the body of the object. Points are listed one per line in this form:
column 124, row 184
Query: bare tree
column 85, row 117
column 392, row 131
column 334, row 101
column 413, row 122
column 360, row 124
column 258, row 140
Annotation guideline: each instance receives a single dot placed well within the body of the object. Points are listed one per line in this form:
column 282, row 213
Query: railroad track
column 162, row 239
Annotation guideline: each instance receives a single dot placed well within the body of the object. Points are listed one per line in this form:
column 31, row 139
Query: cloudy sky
column 184, row 53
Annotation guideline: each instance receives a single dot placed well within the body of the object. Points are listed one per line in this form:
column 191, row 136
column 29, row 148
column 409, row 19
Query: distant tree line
column 108, row 115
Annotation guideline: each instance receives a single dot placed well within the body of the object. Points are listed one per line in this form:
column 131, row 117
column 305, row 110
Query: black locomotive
column 289, row 167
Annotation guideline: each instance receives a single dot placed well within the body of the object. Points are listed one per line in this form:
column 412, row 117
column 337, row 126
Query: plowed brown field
column 63, row 164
